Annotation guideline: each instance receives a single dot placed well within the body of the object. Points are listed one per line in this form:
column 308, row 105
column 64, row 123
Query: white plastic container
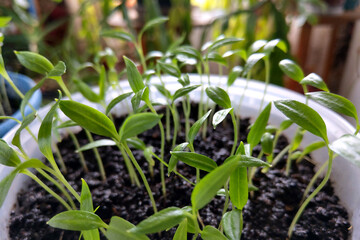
column 345, row 175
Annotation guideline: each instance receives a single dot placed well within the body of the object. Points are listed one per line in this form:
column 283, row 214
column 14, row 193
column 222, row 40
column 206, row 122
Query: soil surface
column 267, row 214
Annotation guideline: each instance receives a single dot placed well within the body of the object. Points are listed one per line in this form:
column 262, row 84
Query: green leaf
column 211, row 233
column 27, row 120
column 86, row 203
column 184, row 91
column 89, row 118
column 86, row 91
column 247, row 161
column 335, row 102
column 296, row 141
column 219, row 116
column 3, row 70
column 257, row 45
column 154, row 54
column 76, row 220
column 216, row 57
column 251, row 61
column 138, row 123
column 304, row 116
column 31, row 163
column 269, row 47
column 238, row 186
column 206, row 189
column 184, row 80
column 118, row 34
column 223, row 42
column 241, row 149
column 188, row 51
column 285, row 125
column 195, row 160
column 291, row 69
column 161, row 88
column 115, row 101
column 5, row 184
column 311, row 147
column 135, row 101
column 34, row 62
column 58, row 70
column 67, row 124
column 232, row 222
column 134, row 76
column 196, row 127
column 102, row 81
column 181, row 231
column 160, row 221
column 118, row 229
column 136, row 143
column 219, row 96
column 4, row 21
column 28, row 95
column 174, row 160
column 44, row 135
column 267, row 143
column 170, row 69
column 348, row 146
column 153, row 23
column 314, row 80
column 235, row 73
column 258, row 128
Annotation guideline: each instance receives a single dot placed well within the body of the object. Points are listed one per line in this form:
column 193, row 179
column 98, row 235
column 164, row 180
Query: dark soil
column 267, row 215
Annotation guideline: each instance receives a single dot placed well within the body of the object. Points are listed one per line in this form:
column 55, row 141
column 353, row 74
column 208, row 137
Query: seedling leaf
column 348, row 146
column 5, row 184
column 134, row 76
column 211, row 233
column 184, row 91
column 219, row 116
column 115, row 101
column 118, row 34
column 195, row 160
column 174, row 160
column 34, row 62
column 181, row 231
column 96, row 144
column 304, row 116
column 58, row 70
column 196, row 127
column 258, row 128
column 160, row 221
column 138, row 123
column 89, row 118
column 86, row 91
column 232, row 222
column 170, row 69
column 238, row 186
column 219, row 96
column 251, row 61
column 76, row 220
column 291, row 69
column 316, row 81
column 153, row 23
column 118, row 229
column 27, row 120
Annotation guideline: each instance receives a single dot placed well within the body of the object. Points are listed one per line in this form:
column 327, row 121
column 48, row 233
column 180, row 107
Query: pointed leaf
column 44, row 135
column 232, row 222
column 223, row 42
column 258, row 128
column 5, row 185
column 211, row 233
column 138, row 123
column 184, row 91
column 304, row 116
column 154, row 54
column 335, row 102
column 115, row 101
column 89, row 118
column 118, row 229
column 4, row 21
column 206, row 189
column 285, row 125
column 219, row 96
column 161, row 88
column 102, row 81
column 219, row 116
column 58, row 70
column 31, row 163
column 196, row 127
column 160, row 221
column 67, row 124
column 347, row 146
column 169, row 69
column 27, row 120
column 251, row 61
column 34, row 62
column 195, row 160
column 247, row 161
column 316, row 81
column 134, row 76
column 96, row 144
column 235, row 73
column 153, row 23
column 76, row 220
column 291, row 69
column 86, row 203
column 86, row 91
column 136, row 100
column 181, row 231
column 238, row 186
column 269, row 47
column 174, row 160
column 136, row 143
column 118, row 34
column 216, row 57
column 257, row 45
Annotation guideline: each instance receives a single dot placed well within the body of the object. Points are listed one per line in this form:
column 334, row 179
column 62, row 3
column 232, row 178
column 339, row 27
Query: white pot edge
column 346, row 174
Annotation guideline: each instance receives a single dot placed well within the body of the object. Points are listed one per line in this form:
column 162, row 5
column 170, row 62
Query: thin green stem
column 77, row 146
column 142, row 175
column 313, row 180
column 312, row 195
column 267, row 80
column 129, row 166
column 55, row 195
column 235, row 132
column 60, row 159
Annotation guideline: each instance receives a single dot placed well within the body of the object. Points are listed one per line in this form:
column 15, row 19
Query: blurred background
column 323, row 35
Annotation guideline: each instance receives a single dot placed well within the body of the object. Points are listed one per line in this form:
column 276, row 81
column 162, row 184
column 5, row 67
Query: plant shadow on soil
column 267, row 215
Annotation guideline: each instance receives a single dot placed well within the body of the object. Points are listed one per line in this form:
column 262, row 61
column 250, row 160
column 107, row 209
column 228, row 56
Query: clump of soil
column 267, row 214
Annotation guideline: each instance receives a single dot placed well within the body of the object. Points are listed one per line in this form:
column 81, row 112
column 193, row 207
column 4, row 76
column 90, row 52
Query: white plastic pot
column 345, row 175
